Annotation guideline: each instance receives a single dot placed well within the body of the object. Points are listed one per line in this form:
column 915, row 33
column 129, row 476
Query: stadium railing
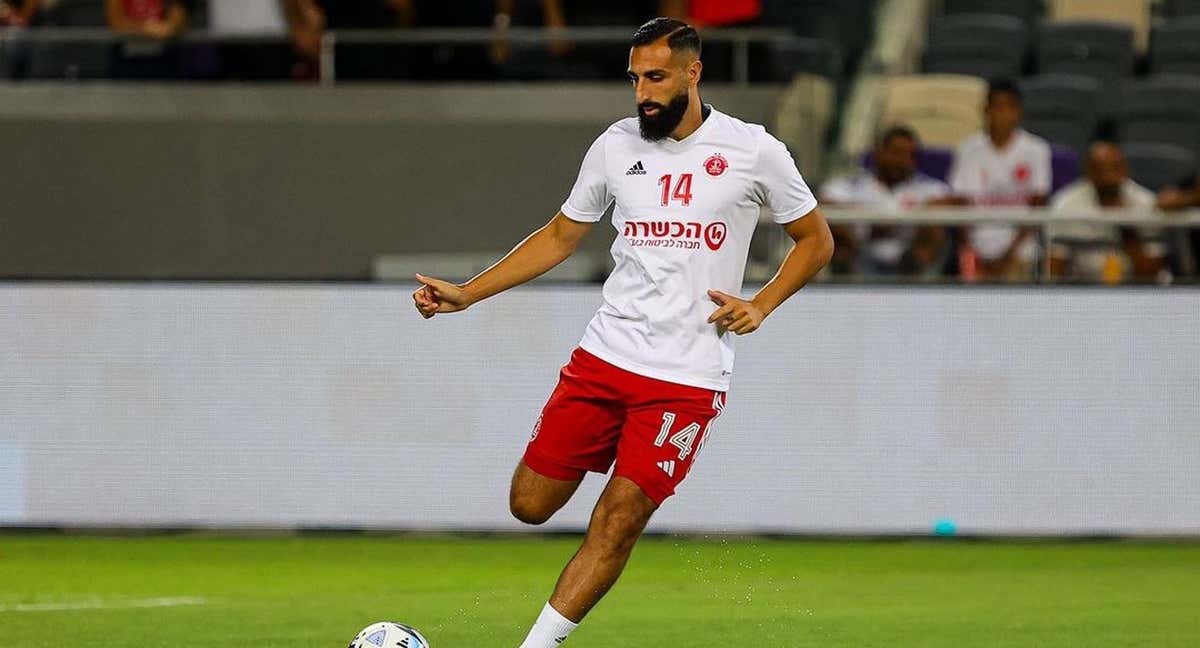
column 739, row 39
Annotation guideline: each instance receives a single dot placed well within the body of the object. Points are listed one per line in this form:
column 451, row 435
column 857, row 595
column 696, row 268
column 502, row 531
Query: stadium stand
column 942, row 108
column 72, row 60
column 1028, row 11
column 1063, row 109
column 1175, row 47
column 1181, row 8
column 1161, row 110
column 1101, row 50
column 1157, row 166
column 1133, row 13
column 982, row 45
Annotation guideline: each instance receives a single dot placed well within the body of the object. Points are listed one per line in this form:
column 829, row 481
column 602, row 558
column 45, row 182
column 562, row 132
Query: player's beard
column 659, row 126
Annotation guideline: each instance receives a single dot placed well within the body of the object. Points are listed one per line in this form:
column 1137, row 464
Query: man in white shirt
column 650, row 375
column 1099, row 252
column 892, row 187
column 1003, row 166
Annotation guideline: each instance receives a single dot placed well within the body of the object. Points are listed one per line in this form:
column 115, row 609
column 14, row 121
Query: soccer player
column 652, row 370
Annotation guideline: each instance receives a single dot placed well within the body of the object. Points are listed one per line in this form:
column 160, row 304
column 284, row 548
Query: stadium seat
column 942, row 108
column 72, row 60
column 1063, row 109
column 1157, row 166
column 1175, row 47
column 1101, row 50
column 1133, row 13
column 845, row 22
column 1027, row 11
column 976, row 44
column 1163, row 109
column 792, row 56
column 1180, row 8
column 1064, row 167
column 803, row 116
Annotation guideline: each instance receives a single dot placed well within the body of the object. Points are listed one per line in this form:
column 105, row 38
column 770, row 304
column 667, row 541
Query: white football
column 388, row 634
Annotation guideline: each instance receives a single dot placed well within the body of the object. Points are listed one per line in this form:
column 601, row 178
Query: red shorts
column 599, row 413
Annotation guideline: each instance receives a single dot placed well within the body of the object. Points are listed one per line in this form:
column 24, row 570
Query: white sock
column 550, row 630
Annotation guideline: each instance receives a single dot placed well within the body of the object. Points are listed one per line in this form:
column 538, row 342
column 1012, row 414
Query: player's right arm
column 540, row 251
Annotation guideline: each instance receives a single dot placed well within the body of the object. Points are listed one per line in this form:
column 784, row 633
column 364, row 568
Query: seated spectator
column 1095, row 252
column 18, row 13
column 158, row 21
column 1185, row 196
column 1003, row 166
column 892, row 187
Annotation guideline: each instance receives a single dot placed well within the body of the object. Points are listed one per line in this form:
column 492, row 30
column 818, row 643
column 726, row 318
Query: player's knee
column 617, row 530
column 528, row 511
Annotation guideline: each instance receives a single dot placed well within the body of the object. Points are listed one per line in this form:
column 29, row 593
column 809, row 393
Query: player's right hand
column 437, row 296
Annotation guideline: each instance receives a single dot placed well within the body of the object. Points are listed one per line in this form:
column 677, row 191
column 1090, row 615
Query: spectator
column 892, row 187
column 246, row 61
column 157, row 21
column 1185, row 196
column 1097, row 252
column 18, row 13
column 1003, row 166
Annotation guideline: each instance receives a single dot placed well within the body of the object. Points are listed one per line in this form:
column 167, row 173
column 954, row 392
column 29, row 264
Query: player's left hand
column 735, row 314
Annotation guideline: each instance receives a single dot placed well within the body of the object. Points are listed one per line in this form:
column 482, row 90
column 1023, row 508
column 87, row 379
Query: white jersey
column 685, row 213
column 1006, row 177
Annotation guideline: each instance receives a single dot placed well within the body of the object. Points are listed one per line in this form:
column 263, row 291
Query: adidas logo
column 667, row 467
column 636, row 169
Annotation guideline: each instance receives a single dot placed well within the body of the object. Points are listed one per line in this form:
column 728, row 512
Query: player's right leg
column 577, row 432
column 533, row 497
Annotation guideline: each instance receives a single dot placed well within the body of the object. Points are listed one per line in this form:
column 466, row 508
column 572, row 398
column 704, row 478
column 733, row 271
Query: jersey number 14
column 683, row 189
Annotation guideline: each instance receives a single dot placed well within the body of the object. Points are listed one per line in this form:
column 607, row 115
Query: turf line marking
column 101, row 604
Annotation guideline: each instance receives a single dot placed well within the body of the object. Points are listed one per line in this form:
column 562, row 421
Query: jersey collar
column 709, row 114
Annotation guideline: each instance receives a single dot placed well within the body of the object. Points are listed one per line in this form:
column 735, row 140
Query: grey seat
column 72, row 60
column 1175, row 47
column 980, row 45
column 1179, row 8
column 1103, row 51
column 792, row 56
column 1025, row 10
column 1159, row 165
column 1164, row 109
column 1063, row 109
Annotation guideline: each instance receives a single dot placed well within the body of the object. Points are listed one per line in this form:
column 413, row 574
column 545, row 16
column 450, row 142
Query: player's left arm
column 811, row 250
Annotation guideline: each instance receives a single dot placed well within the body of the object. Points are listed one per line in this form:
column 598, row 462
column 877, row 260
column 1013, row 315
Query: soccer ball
column 387, row 634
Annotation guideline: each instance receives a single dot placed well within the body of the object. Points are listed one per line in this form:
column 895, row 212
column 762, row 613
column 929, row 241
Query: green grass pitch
column 297, row 591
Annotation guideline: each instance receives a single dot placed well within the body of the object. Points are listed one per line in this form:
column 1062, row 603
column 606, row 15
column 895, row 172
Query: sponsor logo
column 636, row 169
column 675, row 234
column 715, row 165
column 714, row 235
column 377, row 637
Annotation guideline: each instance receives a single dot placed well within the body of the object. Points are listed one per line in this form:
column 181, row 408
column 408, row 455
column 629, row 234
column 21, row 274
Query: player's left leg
column 617, row 522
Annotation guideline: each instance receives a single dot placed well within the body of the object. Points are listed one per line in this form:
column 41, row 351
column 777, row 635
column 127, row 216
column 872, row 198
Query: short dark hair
column 897, row 131
column 1004, row 86
column 680, row 35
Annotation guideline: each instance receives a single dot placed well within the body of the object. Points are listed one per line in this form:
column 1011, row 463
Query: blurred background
column 212, row 210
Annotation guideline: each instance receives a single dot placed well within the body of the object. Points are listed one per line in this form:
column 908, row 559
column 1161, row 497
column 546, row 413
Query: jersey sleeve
column 778, row 182
column 964, row 178
column 590, row 196
column 1043, row 179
